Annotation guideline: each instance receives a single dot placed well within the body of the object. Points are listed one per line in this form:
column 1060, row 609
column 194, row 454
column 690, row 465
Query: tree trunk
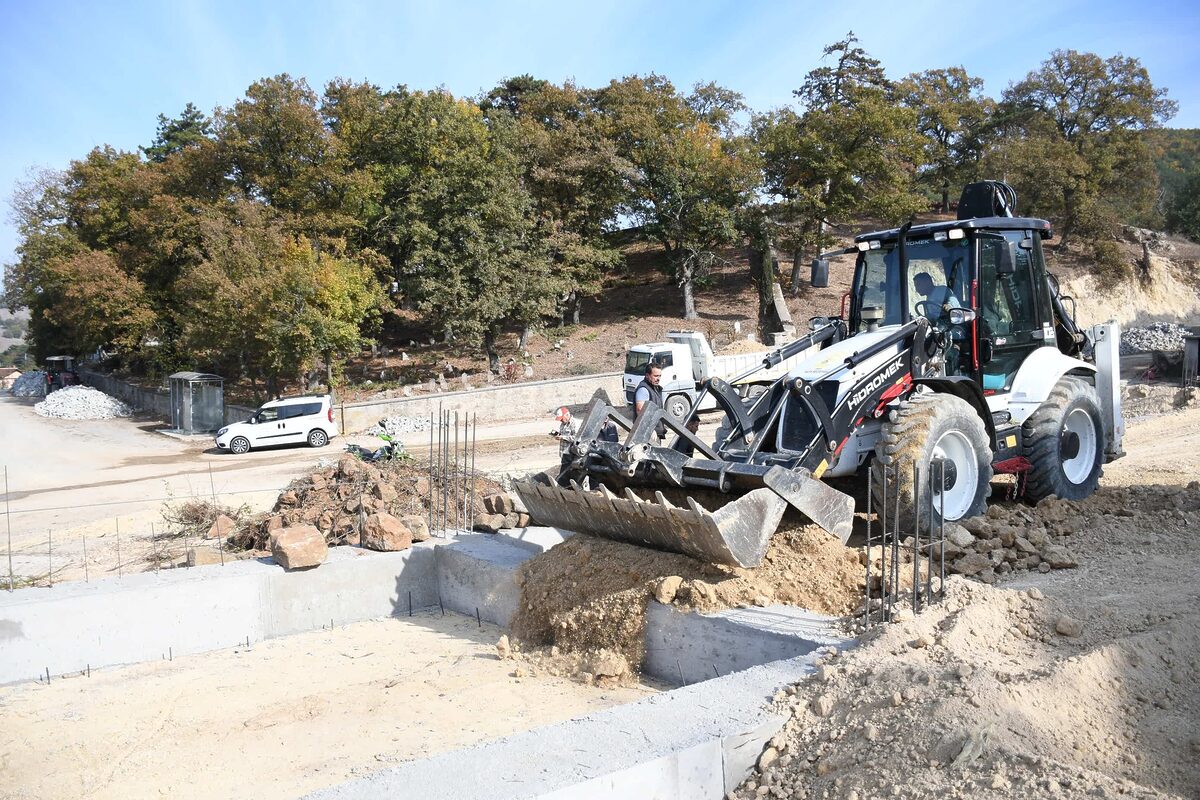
column 523, row 341
column 763, row 273
column 329, row 370
column 797, row 266
column 945, row 198
column 489, row 347
column 1068, row 217
column 272, row 387
column 689, row 299
column 574, row 308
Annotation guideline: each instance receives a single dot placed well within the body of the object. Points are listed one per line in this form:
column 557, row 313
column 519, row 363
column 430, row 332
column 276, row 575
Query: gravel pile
column 81, row 402
column 394, row 426
column 1166, row 336
column 30, row 384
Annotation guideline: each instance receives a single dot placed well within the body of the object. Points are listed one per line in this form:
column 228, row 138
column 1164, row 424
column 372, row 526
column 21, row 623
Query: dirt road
column 76, row 484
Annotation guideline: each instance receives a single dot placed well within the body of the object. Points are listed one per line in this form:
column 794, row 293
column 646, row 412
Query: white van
column 290, row 420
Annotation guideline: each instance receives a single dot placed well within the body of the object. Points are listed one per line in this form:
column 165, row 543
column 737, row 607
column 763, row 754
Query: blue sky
column 77, row 75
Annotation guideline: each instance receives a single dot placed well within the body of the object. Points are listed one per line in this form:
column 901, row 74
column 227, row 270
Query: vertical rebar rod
column 83, row 536
column 867, row 580
column 12, row 581
column 117, row 526
column 930, row 547
column 445, row 468
column 212, row 485
column 896, row 543
column 474, row 426
column 154, row 544
column 916, row 547
column 457, row 520
column 50, row 555
column 942, row 524
column 429, row 498
column 884, row 565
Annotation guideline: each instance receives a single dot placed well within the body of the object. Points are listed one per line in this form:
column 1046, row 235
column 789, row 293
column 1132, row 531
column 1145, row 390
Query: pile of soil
column 739, row 346
column 587, row 597
column 335, row 498
column 1081, row 683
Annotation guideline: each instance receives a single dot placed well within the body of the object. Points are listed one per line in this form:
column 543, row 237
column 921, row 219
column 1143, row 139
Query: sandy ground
column 1077, row 683
column 279, row 719
column 89, row 484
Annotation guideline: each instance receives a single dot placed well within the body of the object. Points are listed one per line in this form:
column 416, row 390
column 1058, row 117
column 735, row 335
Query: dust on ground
column 1075, row 683
column 587, row 597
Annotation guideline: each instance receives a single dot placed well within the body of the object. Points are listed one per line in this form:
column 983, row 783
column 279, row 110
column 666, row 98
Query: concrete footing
column 698, row 741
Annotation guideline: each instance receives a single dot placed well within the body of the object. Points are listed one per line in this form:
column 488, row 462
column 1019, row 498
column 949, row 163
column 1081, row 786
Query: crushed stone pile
column 30, row 384
column 586, row 599
column 1165, row 336
column 338, row 499
column 396, row 426
column 81, row 402
column 1074, row 684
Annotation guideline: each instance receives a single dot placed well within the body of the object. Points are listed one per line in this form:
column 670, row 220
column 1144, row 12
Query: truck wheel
column 678, row 406
column 932, row 426
column 1064, row 443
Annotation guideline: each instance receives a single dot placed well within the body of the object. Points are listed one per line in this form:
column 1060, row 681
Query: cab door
column 1012, row 322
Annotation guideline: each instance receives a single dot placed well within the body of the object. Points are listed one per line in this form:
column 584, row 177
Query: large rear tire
column 1064, row 443
column 927, row 426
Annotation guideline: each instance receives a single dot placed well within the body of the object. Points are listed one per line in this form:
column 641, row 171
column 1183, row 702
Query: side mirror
column 1006, row 264
column 820, row 273
column 1026, row 243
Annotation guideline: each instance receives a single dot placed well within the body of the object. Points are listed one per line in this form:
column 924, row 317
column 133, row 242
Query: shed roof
column 195, row 377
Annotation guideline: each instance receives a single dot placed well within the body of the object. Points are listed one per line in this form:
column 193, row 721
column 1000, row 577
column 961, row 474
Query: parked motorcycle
column 392, row 450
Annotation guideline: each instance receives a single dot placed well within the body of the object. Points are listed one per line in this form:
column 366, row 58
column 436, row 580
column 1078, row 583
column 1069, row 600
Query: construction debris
column 81, row 402
column 1165, row 336
column 395, row 426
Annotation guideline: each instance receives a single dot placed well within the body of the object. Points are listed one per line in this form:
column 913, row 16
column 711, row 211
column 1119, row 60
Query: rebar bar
column 429, row 494
column 457, row 520
column 12, row 581
column 83, row 536
column 916, row 545
column 474, row 426
column 154, row 545
column 50, row 556
column 220, row 539
column 867, row 579
column 117, row 526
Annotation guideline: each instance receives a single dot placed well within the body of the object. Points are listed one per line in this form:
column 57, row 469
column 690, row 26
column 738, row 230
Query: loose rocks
column 385, row 533
column 30, row 384
column 1166, row 336
column 298, row 546
column 394, row 426
column 81, row 402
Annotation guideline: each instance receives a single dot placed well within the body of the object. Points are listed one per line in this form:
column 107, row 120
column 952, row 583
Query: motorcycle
column 392, row 450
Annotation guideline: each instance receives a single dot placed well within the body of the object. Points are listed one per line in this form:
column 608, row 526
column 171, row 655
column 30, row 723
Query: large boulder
column 298, row 547
column 386, row 533
column 419, row 527
column 499, row 503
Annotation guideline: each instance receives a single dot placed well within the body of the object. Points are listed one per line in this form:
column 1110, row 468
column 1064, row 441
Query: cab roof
column 979, row 223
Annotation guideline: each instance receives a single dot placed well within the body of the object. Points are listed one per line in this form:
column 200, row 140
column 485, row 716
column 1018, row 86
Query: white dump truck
column 687, row 359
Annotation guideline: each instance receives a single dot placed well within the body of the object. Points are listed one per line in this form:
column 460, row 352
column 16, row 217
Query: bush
column 1112, row 267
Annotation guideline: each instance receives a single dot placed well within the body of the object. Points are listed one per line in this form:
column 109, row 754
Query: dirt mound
column 589, row 594
column 1081, row 683
column 336, row 499
column 742, row 346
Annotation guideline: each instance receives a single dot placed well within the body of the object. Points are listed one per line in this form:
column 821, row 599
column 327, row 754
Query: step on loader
column 957, row 348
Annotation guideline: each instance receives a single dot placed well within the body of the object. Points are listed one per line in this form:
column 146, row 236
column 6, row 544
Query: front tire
column 925, row 427
column 1064, row 443
column 240, row 445
column 317, row 438
column 678, row 405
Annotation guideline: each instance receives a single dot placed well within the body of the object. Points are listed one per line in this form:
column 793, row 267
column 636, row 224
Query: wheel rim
column 317, row 439
column 677, row 407
column 958, row 498
column 239, row 445
column 1080, row 424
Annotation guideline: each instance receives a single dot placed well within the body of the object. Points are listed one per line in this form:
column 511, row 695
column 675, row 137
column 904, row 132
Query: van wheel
column 239, row 445
column 317, row 438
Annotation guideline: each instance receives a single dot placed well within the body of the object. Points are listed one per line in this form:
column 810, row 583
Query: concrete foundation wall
column 143, row 617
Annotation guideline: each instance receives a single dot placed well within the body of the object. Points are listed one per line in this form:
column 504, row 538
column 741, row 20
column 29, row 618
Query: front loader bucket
column 736, row 534
column 820, row 502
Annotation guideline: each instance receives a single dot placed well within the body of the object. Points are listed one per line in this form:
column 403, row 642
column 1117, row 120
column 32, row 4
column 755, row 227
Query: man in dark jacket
column 649, row 391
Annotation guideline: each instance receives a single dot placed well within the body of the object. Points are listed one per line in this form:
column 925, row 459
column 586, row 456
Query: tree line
column 277, row 234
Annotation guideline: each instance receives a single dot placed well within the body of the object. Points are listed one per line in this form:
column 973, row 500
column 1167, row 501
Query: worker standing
column 649, row 391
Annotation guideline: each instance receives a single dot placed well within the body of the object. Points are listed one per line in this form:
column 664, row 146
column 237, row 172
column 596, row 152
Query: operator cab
column 980, row 282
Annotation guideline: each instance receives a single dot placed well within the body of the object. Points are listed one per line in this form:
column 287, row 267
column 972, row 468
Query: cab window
column 268, row 414
column 663, row 360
